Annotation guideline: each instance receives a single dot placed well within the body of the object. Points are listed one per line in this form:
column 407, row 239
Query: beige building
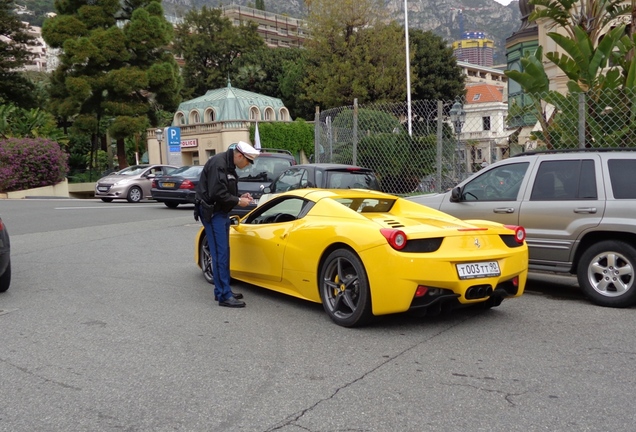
column 210, row 123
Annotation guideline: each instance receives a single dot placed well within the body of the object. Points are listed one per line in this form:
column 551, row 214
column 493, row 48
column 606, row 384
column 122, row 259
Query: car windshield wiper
column 259, row 176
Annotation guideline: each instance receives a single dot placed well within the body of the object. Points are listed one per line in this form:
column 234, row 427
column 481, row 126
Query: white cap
column 247, row 150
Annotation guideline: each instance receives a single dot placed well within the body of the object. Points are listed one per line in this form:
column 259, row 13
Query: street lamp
column 159, row 136
column 458, row 117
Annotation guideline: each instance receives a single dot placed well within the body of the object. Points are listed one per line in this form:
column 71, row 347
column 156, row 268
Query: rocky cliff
column 446, row 18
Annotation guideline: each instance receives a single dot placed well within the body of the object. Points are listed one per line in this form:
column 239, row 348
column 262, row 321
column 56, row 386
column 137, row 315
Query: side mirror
column 456, row 194
column 235, row 220
column 267, row 189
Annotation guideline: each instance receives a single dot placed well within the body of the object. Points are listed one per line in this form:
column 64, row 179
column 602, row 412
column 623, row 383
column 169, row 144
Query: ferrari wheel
column 344, row 289
column 205, row 260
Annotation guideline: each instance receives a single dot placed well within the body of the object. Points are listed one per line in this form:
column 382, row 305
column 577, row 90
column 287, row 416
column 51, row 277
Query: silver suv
column 578, row 208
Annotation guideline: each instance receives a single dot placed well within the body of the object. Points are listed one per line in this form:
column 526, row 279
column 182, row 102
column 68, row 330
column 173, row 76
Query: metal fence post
column 317, row 135
column 355, row 132
column 581, row 120
column 440, row 148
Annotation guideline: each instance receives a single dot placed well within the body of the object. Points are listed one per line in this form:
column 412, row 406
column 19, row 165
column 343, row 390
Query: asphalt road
column 110, row 326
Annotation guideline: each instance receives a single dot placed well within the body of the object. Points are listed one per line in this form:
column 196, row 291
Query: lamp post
column 159, row 136
column 458, row 117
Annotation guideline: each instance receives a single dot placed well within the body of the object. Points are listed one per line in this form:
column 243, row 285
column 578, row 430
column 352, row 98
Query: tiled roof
column 482, row 93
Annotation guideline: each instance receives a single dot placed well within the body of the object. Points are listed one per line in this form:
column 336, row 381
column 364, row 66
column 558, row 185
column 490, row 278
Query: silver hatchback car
column 578, row 208
column 132, row 184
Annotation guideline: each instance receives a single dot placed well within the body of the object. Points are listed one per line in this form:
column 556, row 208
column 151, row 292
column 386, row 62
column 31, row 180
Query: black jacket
column 218, row 182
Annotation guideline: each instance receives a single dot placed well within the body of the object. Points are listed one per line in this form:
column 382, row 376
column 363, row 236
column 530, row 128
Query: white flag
column 257, row 138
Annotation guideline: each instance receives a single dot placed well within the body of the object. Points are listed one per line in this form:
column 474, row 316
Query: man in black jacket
column 217, row 195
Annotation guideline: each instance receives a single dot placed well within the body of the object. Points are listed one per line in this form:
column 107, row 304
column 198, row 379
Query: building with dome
column 208, row 124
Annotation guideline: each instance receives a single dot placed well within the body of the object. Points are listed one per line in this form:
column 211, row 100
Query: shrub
column 27, row 163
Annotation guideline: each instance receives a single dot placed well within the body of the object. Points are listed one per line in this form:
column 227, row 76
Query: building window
column 283, row 114
column 254, row 114
column 476, row 96
column 179, row 119
column 210, row 115
column 194, row 117
column 269, row 114
column 486, row 123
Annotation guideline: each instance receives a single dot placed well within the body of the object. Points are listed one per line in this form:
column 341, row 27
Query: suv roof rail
column 273, row 150
column 577, row 150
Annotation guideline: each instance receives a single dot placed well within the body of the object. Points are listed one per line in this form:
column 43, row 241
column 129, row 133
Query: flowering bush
column 27, row 163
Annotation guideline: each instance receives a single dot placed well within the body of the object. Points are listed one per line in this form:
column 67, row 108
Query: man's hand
column 245, row 199
column 196, row 212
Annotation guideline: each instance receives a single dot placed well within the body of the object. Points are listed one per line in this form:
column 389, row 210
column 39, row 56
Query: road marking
column 107, row 207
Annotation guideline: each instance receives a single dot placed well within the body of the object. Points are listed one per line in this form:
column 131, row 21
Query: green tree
column 210, row 45
column 115, row 69
column 353, row 54
column 590, row 16
column 276, row 72
column 14, row 53
column 435, row 70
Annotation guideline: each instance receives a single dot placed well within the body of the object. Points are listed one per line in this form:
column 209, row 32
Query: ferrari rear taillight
column 395, row 237
column 187, row 184
column 520, row 232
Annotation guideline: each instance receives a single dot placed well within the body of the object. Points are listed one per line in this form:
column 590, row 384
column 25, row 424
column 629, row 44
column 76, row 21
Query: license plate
column 478, row 270
column 167, row 184
column 102, row 188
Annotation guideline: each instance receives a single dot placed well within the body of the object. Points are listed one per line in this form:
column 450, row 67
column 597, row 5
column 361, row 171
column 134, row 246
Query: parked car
column 177, row 187
column 255, row 177
column 132, row 183
column 365, row 253
column 5, row 258
column 323, row 176
column 577, row 206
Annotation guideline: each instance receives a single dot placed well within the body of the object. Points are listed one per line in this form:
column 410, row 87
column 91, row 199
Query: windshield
column 132, row 170
column 263, row 169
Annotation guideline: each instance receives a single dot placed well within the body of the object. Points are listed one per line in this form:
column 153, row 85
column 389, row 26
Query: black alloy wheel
column 344, row 289
column 205, row 261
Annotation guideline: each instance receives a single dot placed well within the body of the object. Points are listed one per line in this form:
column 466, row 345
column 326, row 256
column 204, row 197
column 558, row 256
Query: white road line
column 107, row 207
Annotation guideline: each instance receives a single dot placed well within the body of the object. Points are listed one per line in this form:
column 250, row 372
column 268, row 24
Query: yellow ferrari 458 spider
column 365, row 253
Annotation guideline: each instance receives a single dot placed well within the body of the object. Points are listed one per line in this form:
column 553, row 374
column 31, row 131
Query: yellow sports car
column 365, row 253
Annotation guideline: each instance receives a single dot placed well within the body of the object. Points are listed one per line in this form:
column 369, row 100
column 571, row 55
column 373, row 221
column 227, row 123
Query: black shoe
column 232, row 302
column 237, row 296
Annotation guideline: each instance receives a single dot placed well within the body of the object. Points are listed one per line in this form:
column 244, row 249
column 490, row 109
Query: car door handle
column 504, row 210
column 585, row 210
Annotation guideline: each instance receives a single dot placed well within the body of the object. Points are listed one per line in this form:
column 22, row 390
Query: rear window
column 351, row 179
column 367, row 205
column 188, row 171
column 623, row 177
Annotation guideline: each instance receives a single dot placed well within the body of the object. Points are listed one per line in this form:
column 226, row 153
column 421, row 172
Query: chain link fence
column 446, row 141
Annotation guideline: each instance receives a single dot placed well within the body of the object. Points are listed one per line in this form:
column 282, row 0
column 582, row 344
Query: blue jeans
column 218, row 234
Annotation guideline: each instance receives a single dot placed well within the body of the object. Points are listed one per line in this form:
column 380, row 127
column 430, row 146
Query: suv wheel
column 606, row 273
